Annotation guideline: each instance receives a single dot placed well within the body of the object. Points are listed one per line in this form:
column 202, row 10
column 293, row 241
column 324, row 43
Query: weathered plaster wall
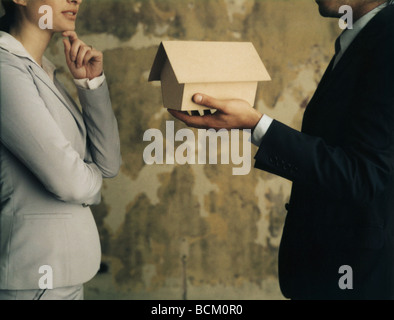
column 229, row 226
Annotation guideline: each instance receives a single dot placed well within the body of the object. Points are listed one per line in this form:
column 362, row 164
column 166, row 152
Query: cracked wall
column 229, row 227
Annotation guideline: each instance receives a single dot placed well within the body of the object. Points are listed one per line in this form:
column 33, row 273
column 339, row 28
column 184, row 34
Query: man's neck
column 360, row 11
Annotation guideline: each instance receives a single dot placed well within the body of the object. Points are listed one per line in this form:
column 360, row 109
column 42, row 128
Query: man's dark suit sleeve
column 359, row 166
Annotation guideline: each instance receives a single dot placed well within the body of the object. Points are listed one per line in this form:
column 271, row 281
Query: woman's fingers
column 72, row 35
column 82, row 60
column 77, row 47
column 76, row 50
column 81, row 55
column 74, row 45
column 88, row 56
column 67, row 49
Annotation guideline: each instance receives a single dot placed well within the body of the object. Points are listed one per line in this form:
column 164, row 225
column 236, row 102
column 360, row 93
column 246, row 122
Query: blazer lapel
column 322, row 86
column 10, row 44
column 331, row 74
column 325, row 79
column 71, row 106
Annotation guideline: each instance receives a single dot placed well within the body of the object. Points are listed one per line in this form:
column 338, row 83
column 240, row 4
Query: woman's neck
column 34, row 39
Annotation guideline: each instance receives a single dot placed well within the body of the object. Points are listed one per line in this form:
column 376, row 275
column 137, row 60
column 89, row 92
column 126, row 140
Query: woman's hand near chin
column 82, row 60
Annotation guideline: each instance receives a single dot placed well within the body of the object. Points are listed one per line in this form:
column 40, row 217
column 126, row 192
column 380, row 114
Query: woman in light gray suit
column 53, row 156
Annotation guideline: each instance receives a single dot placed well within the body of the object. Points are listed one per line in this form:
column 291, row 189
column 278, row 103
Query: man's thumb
column 207, row 101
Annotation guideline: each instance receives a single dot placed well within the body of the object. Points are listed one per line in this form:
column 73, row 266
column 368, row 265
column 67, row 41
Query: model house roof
column 210, row 61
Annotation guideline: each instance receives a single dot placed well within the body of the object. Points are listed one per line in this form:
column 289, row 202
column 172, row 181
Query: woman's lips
column 71, row 15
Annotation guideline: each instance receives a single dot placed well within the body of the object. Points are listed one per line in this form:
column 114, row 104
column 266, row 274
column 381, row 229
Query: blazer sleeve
column 102, row 128
column 30, row 133
column 363, row 163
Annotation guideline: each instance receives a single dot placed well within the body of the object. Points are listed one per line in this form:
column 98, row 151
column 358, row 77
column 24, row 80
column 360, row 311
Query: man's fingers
column 178, row 114
column 209, row 102
column 191, row 121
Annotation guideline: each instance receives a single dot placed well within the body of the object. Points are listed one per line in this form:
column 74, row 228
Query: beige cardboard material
column 223, row 70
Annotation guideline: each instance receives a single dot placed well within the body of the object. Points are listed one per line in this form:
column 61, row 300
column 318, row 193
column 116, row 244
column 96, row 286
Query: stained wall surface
column 195, row 231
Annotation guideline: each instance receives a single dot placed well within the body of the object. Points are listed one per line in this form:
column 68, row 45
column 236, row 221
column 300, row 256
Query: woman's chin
column 65, row 27
column 61, row 30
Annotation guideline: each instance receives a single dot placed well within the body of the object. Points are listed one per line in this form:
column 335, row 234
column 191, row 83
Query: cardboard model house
column 223, row 70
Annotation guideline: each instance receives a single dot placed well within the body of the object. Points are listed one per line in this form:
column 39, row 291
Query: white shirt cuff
column 261, row 129
column 93, row 84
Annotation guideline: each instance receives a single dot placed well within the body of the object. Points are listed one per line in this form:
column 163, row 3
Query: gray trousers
column 67, row 293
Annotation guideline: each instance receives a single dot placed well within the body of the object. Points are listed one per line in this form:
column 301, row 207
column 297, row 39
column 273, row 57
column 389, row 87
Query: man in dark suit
column 338, row 238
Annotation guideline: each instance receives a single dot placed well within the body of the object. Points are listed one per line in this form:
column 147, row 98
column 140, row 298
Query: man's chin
column 327, row 13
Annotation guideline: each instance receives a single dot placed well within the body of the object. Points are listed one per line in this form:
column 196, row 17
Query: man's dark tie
column 330, row 67
column 337, row 50
column 337, row 46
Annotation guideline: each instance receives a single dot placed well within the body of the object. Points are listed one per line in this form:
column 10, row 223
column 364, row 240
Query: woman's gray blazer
column 52, row 161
